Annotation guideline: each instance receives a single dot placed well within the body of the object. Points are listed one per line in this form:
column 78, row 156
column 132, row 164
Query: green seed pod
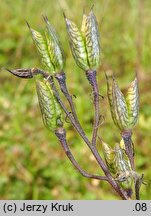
column 84, row 43
column 109, row 155
column 49, row 48
column 123, row 168
column 124, row 110
column 132, row 100
column 122, row 145
column 90, row 34
column 125, row 179
column 50, row 109
column 121, row 160
column 118, row 164
column 77, row 45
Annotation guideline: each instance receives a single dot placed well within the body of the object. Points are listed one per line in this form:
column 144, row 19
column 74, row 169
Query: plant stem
column 138, row 183
column 91, row 76
column 129, row 147
column 61, row 134
column 93, row 149
column 61, row 78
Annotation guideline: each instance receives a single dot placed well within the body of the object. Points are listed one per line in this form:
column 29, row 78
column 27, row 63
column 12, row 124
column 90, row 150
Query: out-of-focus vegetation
column 32, row 163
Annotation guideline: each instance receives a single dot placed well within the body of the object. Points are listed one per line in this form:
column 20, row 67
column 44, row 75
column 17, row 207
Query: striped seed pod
column 50, row 109
column 118, row 164
column 124, row 110
column 132, row 100
column 84, row 43
column 123, row 168
column 109, row 155
column 49, row 48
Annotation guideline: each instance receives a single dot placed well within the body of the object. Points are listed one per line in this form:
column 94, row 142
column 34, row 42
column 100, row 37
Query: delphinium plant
column 118, row 162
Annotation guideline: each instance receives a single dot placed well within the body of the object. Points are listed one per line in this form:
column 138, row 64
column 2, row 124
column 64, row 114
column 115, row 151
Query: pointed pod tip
column 45, row 18
column 68, row 22
column 91, row 9
column 84, row 11
column 64, row 14
column 22, row 73
column 133, row 83
column 109, row 75
column 30, row 29
column 105, row 146
column 28, row 24
column 10, row 71
column 66, row 19
column 7, row 69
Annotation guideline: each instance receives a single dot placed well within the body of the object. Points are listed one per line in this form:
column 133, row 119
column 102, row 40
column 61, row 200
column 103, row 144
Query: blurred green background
column 32, row 163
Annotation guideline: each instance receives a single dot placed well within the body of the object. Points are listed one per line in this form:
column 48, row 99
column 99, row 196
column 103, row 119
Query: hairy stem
column 61, row 134
column 91, row 76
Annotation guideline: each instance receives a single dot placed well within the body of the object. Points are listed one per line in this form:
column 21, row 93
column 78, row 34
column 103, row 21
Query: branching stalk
column 61, row 78
column 129, row 148
column 61, row 134
column 93, row 149
column 91, row 76
column 85, row 47
column 111, row 180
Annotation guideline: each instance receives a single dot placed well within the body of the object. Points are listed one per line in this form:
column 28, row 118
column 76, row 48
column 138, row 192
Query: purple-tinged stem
column 129, row 148
column 91, row 76
column 61, row 134
column 93, row 149
column 61, row 78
